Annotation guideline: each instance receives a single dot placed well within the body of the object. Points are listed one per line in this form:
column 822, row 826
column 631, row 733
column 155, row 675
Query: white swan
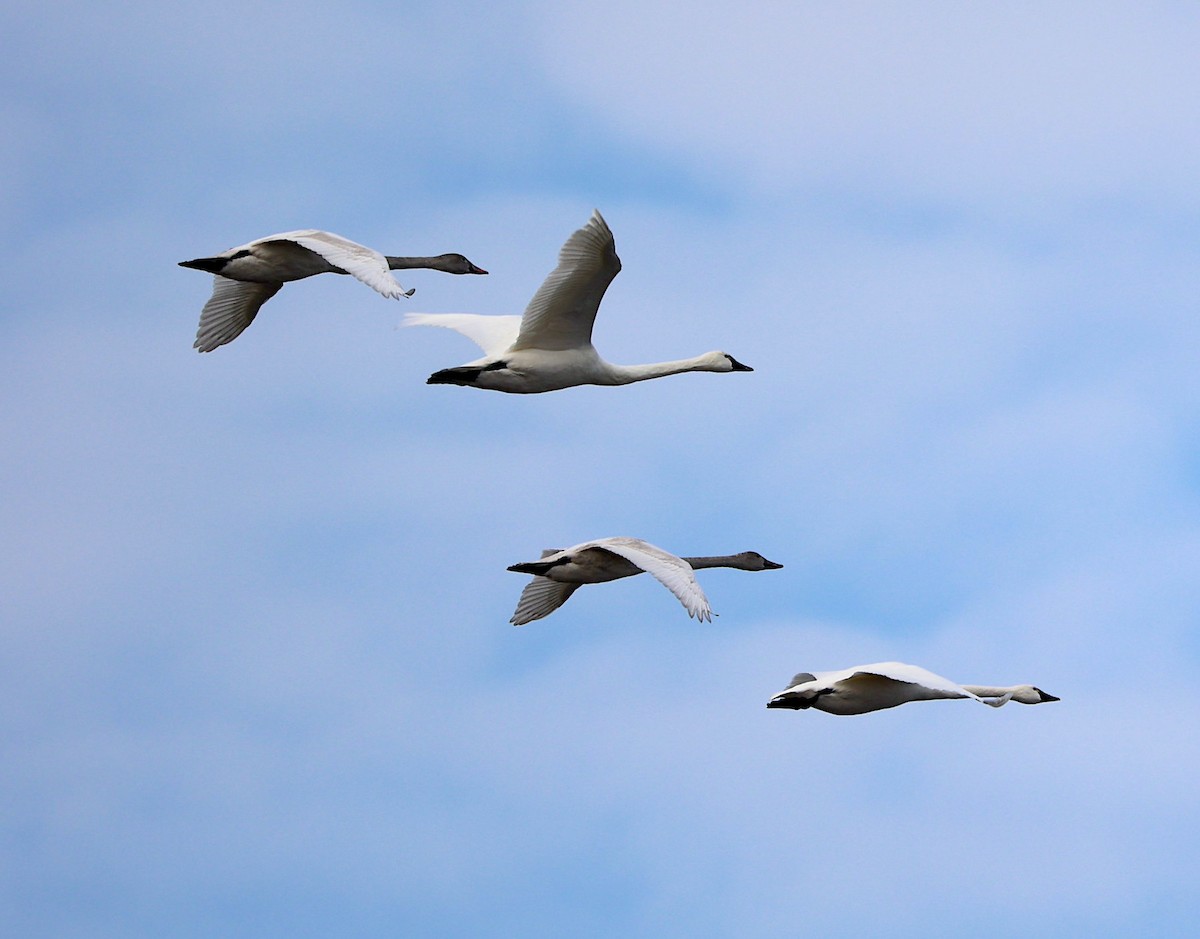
column 249, row 275
column 882, row 685
column 561, row 571
column 550, row 346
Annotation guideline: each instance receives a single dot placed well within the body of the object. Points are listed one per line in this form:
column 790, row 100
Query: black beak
column 770, row 565
column 738, row 366
column 791, row 701
column 1046, row 697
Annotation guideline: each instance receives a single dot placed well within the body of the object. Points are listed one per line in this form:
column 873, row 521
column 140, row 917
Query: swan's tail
column 793, row 700
column 211, row 265
column 463, row 374
column 538, row 568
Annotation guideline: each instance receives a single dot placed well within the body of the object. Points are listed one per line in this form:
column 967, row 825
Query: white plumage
column 865, row 688
column 550, row 346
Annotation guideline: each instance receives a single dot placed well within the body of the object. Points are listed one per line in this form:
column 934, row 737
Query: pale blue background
column 257, row 677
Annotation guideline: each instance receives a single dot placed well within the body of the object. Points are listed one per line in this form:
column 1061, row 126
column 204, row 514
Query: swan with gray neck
column 866, row 688
column 246, row 277
column 560, row 572
column 550, row 347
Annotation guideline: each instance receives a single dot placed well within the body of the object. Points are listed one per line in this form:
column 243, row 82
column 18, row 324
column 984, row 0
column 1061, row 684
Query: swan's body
column 550, row 346
column 560, row 572
column 249, row 275
column 882, row 685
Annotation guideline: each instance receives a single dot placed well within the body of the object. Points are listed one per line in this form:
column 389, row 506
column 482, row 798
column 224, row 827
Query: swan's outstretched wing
column 493, row 334
column 231, row 308
column 359, row 261
column 911, row 674
column 561, row 313
column 541, row 597
column 672, row 572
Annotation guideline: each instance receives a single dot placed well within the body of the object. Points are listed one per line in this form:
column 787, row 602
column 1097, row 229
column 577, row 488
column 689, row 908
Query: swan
column 882, row 685
column 249, row 275
column 561, row 571
column 550, row 346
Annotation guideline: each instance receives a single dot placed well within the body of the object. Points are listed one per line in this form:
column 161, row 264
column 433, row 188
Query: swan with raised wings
column 550, row 346
column 560, row 572
column 246, row 277
column 865, row 688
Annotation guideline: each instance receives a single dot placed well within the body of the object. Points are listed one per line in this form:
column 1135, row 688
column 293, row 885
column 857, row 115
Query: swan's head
column 457, row 264
column 1027, row 694
column 753, row 561
column 722, row 362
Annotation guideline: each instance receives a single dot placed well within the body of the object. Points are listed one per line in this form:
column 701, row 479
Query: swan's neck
column 996, row 697
column 727, row 560
column 403, row 264
column 989, row 691
column 627, row 374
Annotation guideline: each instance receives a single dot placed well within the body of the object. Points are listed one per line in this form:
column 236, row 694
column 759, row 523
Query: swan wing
column 541, row 597
column 493, row 334
column 911, row 674
column 231, row 308
column 672, row 572
column 359, row 261
column 561, row 313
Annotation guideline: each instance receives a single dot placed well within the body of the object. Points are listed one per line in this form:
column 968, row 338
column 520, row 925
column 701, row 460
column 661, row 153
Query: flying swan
column 248, row 276
column 550, row 346
column 866, row 688
column 561, row 571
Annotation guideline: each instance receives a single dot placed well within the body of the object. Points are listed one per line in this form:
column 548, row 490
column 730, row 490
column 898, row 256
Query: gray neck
column 726, row 560
column 439, row 263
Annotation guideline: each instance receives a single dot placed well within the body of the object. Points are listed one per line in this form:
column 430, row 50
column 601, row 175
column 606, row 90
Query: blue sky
column 259, row 679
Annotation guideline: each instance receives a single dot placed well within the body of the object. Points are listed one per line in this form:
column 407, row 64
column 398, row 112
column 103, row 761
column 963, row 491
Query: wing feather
column 359, row 261
column 541, row 597
column 493, row 334
column 910, row 674
column 231, row 308
column 561, row 313
column 672, row 572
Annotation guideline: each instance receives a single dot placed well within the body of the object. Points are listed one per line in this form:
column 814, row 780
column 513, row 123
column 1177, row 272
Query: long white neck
column 996, row 697
column 988, row 691
column 726, row 560
column 628, row 374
